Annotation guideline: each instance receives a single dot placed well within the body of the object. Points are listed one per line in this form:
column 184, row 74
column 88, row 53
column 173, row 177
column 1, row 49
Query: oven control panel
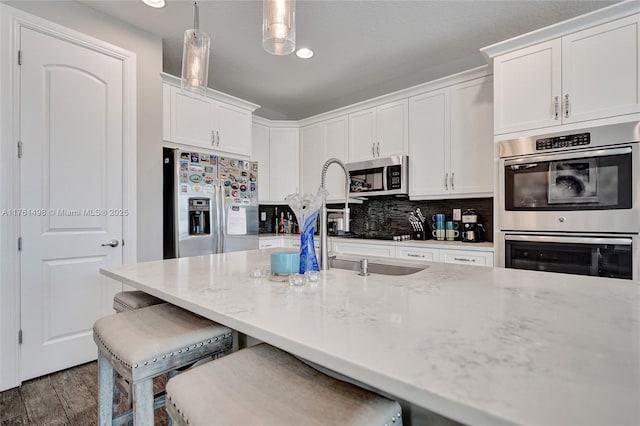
column 567, row 141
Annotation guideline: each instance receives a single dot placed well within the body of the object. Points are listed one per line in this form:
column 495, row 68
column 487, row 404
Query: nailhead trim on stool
column 144, row 343
column 262, row 385
column 135, row 299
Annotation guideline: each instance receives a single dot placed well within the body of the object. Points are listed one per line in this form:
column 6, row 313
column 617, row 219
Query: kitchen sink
column 376, row 266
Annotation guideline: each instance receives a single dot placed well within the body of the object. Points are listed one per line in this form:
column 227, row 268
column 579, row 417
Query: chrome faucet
column 324, row 254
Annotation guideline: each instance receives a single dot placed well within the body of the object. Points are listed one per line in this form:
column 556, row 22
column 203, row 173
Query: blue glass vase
column 308, row 258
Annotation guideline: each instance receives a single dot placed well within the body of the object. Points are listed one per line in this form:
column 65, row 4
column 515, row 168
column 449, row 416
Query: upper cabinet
column 276, row 151
column 585, row 75
column 380, row 131
column 260, row 153
column 318, row 143
column 451, row 141
column 283, row 163
column 206, row 122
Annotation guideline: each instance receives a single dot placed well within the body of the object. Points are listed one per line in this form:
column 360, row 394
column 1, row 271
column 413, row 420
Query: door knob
column 112, row 243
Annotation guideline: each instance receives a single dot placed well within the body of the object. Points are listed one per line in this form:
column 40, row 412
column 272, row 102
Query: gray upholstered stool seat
column 136, row 299
column 262, row 385
column 144, row 343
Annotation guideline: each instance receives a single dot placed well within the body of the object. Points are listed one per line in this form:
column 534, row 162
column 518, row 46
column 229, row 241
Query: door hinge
column 19, row 243
column 19, row 57
column 19, row 149
column 20, row 337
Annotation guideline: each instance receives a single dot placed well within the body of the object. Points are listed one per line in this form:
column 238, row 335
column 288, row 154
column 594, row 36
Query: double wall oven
column 570, row 202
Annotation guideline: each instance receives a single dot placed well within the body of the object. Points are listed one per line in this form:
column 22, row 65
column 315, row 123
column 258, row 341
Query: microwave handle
column 568, row 240
column 572, row 156
column 384, row 179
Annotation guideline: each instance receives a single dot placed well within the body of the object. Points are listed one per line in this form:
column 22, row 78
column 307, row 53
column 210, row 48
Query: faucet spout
column 324, row 253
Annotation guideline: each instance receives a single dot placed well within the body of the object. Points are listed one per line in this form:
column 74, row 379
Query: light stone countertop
column 478, row 345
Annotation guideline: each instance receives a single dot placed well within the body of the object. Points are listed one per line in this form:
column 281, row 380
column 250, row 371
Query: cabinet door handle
column 566, row 106
column 463, row 259
column 446, row 181
column 452, row 186
column 378, row 149
column 556, row 108
column 213, row 138
column 414, row 255
column 373, row 149
column 217, row 138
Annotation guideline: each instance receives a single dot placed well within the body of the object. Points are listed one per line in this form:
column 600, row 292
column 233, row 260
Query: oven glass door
column 603, row 257
column 582, row 180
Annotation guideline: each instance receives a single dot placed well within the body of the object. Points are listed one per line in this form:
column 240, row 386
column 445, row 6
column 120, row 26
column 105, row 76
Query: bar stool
column 144, row 343
column 264, row 385
column 135, row 299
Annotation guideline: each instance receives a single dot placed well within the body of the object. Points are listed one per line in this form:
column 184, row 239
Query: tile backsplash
column 386, row 217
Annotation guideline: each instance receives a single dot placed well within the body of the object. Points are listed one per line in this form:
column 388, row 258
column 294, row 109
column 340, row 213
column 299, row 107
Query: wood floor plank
column 11, row 405
column 79, row 405
column 42, row 403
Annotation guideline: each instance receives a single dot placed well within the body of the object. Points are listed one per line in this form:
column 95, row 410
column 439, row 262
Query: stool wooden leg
column 106, row 378
column 143, row 403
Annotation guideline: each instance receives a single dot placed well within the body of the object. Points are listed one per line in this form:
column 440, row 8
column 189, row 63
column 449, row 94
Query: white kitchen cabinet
column 471, row 157
column 205, row 122
column 466, row 257
column 366, row 249
column 585, row 75
column 418, row 253
column 379, row 131
column 311, row 157
column 269, row 242
column 318, row 143
column 283, row 162
column 260, row 153
column 233, row 126
column 192, row 118
column 429, row 136
column 451, row 141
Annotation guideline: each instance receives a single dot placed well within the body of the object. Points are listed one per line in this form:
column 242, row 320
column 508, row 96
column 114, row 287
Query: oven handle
column 571, row 156
column 568, row 240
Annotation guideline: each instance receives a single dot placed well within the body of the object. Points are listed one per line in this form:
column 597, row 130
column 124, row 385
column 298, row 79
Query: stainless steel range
column 570, row 202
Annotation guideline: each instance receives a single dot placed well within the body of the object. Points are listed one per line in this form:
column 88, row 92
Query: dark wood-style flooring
column 68, row 397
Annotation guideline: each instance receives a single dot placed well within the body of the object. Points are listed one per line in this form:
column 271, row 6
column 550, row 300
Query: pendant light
column 195, row 56
column 279, row 26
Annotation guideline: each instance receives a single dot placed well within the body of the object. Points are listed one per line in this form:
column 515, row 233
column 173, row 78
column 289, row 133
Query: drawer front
column 269, row 242
column 364, row 249
column 418, row 253
column 466, row 257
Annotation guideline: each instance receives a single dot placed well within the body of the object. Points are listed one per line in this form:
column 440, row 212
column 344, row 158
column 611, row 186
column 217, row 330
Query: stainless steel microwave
column 379, row 176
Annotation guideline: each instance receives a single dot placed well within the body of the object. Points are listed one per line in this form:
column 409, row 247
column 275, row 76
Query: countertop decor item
column 306, row 208
column 284, row 262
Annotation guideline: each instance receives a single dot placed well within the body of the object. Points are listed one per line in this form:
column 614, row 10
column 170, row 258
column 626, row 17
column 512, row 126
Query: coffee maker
column 472, row 231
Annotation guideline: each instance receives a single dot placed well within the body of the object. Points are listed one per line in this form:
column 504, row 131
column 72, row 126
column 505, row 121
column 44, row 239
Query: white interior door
column 71, row 112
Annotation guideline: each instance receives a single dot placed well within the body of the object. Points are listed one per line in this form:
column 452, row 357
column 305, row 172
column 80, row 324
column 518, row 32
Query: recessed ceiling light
column 304, row 53
column 154, row 3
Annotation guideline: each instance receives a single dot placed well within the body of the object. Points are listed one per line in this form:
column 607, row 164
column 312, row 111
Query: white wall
column 148, row 50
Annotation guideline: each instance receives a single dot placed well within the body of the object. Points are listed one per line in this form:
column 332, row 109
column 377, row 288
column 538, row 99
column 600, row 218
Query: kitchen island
column 478, row 345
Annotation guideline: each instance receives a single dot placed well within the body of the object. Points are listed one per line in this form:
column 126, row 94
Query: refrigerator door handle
column 221, row 218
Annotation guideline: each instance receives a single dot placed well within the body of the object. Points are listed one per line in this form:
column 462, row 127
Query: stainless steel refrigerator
column 210, row 204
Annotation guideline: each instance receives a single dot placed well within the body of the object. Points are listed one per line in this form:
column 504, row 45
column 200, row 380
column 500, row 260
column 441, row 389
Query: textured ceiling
column 363, row 48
